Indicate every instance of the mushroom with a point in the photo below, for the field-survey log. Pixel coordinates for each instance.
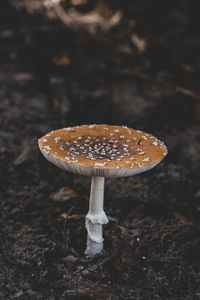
(101, 151)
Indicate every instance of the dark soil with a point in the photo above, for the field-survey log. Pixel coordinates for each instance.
(152, 245)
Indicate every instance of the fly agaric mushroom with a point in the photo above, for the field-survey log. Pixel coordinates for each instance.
(101, 151)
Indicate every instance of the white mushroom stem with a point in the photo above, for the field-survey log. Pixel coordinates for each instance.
(95, 217)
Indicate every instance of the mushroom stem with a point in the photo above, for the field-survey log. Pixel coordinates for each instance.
(95, 217)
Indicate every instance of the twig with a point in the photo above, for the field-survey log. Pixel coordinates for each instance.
(188, 92)
(91, 21)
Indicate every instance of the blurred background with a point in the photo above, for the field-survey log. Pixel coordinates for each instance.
(73, 62)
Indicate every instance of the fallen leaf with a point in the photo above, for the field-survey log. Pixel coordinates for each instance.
(188, 68)
(96, 290)
(78, 2)
(73, 216)
(66, 216)
(28, 152)
(62, 61)
(126, 49)
(139, 43)
(64, 194)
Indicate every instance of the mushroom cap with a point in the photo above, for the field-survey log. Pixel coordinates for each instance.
(102, 150)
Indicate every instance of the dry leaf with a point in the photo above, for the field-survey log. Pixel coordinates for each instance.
(188, 68)
(73, 216)
(64, 194)
(126, 49)
(62, 61)
(66, 216)
(139, 43)
(78, 2)
(96, 290)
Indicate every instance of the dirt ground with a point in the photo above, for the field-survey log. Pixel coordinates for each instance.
(52, 77)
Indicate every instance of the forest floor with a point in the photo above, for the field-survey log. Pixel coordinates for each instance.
(52, 77)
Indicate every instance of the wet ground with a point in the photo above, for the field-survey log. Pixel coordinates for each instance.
(52, 77)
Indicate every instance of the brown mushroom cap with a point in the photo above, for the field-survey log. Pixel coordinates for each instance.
(102, 150)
